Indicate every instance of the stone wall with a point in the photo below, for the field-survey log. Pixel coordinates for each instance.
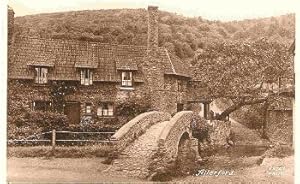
(280, 126)
(219, 132)
(137, 126)
(94, 94)
(174, 94)
(171, 134)
(149, 145)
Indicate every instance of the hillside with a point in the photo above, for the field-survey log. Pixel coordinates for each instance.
(181, 35)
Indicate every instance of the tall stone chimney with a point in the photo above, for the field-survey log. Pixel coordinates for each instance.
(152, 43)
(153, 67)
(10, 24)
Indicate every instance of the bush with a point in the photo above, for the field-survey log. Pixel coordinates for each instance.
(200, 129)
(133, 106)
(35, 122)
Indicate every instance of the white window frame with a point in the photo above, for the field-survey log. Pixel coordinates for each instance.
(46, 105)
(88, 108)
(105, 110)
(41, 74)
(86, 76)
(126, 82)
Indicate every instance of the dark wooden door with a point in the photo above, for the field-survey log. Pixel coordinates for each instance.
(179, 107)
(72, 110)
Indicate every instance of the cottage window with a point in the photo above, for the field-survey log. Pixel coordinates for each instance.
(86, 77)
(105, 109)
(41, 75)
(126, 79)
(88, 108)
(41, 105)
(180, 86)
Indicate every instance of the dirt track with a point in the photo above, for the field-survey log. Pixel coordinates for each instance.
(90, 170)
(59, 170)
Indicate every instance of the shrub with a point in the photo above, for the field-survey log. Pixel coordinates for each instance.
(133, 106)
(35, 122)
(200, 129)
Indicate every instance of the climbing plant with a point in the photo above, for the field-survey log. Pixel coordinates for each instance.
(60, 89)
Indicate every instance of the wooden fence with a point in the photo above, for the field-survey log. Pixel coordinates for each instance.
(53, 140)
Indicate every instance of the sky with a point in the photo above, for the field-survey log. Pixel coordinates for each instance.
(224, 10)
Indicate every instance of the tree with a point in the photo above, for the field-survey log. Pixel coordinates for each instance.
(239, 70)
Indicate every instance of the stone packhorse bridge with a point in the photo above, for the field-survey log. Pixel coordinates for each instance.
(154, 142)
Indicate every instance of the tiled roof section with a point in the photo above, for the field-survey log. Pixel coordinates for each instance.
(69, 55)
(66, 57)
(281, 103)
(175, 66)
(126, 64)
(87, 58)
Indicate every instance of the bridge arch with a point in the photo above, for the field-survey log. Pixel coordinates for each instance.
(157, 144)
(178, 126)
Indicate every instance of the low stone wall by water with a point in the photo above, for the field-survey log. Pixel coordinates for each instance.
(219, 132)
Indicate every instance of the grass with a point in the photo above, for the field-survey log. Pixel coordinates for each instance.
(60, 151)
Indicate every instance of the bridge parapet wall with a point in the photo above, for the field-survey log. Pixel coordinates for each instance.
(171, 134)
(137, 126)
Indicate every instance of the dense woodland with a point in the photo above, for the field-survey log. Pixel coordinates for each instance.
(181, 35)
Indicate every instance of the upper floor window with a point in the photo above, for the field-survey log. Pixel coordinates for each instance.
(105, 109)
(41, 75)
(181, 85)
(86, 77)
(127, 79)
(88, 108)
(41, 105)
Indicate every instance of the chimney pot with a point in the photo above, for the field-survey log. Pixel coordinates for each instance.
(152, 7)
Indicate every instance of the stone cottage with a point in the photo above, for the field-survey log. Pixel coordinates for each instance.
(104, 74)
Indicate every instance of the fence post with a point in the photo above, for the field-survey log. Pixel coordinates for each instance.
(53, 139)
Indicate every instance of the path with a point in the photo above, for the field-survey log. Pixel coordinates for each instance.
(243, 135)
(59, 170)
(133, 160)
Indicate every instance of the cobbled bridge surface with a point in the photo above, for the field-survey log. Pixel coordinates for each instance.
(151, 141)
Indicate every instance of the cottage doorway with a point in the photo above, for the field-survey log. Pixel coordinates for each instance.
(72, 110)
(179, 107)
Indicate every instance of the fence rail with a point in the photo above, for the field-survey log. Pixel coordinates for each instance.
(54, 140)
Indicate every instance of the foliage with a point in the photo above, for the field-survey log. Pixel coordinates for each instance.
(129, 26)
(239, 70)
(35, 122)
(234, 69)
(133, 106)
(250, 116)
(200, 129)
(59, 89)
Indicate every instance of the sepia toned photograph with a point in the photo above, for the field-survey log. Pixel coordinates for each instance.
(150, 91)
